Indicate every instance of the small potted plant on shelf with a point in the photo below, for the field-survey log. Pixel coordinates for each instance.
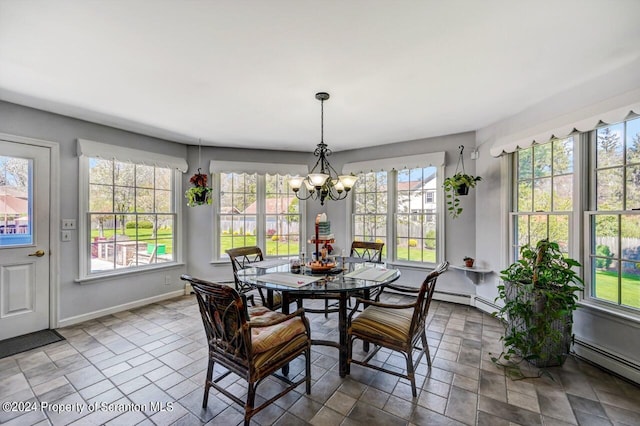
(468, 261)
(455, 186)
(199, 193)
(539, 296)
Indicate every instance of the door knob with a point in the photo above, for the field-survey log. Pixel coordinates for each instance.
(39, 253)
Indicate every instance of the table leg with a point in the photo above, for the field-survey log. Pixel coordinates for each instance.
(342, 330)
(285, 310)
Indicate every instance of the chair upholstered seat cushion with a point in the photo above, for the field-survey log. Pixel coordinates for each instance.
(264, 339)
(264, 360)
(255, 312)
(391, 325)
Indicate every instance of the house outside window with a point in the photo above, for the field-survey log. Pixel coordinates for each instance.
(256, 206)
(430, 198)
(397, 205)
(130, 206)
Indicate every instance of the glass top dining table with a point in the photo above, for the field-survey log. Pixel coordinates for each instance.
(337, 284)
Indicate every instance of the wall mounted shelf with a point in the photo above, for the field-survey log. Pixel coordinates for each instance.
(473, 273)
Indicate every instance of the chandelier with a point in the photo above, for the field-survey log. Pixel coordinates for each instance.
(323, 182)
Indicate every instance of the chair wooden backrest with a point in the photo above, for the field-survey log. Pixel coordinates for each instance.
(242, 257)
(423, 301)
(369, 251)
(224, 316)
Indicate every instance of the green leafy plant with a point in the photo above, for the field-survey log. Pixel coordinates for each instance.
(457, 185)
(539, 295)
(199, 193)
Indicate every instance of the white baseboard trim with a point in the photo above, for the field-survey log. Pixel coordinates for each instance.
(607, 359)
(119, 308)
(463, 299)
(486, 306)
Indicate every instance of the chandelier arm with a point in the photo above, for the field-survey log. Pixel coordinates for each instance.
(316, 165)
(309, 195)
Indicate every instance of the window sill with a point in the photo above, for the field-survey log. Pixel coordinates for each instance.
(119, 274)
(629, 318)
(413, 266)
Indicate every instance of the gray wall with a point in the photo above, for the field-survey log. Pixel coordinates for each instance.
(81, 299)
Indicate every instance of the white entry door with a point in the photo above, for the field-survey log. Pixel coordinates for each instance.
(24, 238)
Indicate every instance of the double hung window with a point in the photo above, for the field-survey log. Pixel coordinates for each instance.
(399, 206)
(613, 221)
(543, 194)
(130, 209)
(257, 207)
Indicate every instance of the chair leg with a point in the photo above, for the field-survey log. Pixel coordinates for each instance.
(207, 383)
(349, 353)
(326, 308)
(251, 400)
(410, 373)
(425, 345)
(308, 370)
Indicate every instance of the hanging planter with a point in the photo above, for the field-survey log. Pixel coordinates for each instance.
(458, 185)
(200, 193)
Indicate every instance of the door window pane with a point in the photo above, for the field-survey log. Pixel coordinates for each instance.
(16, 224)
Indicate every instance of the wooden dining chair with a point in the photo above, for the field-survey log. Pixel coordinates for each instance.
(243, 257)
(367, 250)
(398, 327)
(364, 251)
(252, 343)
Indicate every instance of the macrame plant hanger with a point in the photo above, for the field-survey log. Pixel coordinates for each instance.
(199, 156)
(461, 189)
(460, 160)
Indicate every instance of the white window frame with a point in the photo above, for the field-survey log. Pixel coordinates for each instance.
(392, 165)
(575, 215)
(217, 167)
(618, 310)
(87, 149)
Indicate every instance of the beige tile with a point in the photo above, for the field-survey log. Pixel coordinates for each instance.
(522, 400)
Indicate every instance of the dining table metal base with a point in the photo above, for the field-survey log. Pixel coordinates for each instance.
(341, 344)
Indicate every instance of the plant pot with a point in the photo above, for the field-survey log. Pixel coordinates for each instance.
(554, 347)
(201, 198)
(468, 263)
(463, 189)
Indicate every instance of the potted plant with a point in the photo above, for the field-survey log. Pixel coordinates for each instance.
(199, 193)
(468, 261)
(539, 295)
(457, 185)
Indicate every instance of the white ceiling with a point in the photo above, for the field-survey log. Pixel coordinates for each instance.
(243, 73)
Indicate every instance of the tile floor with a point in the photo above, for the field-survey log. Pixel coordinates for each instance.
(136, 363)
